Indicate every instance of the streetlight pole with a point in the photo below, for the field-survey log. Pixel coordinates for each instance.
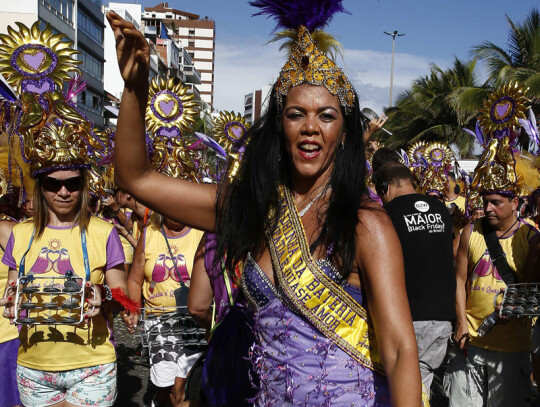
(393, 35)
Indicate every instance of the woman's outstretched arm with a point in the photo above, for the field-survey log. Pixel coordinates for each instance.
(189, 203)
(380, 259)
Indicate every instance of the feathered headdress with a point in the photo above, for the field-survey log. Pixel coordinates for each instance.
(303, 21)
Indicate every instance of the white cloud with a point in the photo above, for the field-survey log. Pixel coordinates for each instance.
(244, 65)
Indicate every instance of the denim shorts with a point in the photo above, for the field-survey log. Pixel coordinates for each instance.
(88, 386)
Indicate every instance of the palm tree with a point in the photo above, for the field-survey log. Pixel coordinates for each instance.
(521, 61)
(425, 111)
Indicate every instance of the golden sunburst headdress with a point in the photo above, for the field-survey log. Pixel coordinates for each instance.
(229, 129)
(502, 111)
(171, 110)
(45, 129)
(34, 60)
(308, 61)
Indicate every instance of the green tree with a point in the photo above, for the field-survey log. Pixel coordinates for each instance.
(520, 61)
(426, 112)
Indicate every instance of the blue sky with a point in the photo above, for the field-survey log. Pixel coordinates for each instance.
(435, 32)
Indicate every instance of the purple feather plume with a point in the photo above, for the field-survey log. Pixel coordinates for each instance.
(291, 14)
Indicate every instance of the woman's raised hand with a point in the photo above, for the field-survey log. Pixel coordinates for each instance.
(132, 50)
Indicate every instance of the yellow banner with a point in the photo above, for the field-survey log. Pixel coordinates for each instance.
(322, 301)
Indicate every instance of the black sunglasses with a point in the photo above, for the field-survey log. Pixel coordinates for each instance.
(54, 184)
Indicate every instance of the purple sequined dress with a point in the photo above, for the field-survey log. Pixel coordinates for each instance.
(296, 364)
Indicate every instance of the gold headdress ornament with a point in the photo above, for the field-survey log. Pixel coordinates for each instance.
(308, 64)
(430, 163)
(34, 60)
(169, 113)
(45, 129)
(307, 61)
(495, 172)
(229, 129)
(474, 201)
(171, 110)
(503, 109)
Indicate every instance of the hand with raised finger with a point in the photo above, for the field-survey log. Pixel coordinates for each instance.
(132, 50)
(93, 299)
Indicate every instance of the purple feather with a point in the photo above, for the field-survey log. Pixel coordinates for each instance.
(290, 14)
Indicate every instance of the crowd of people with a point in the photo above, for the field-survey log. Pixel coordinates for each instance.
(295, 262)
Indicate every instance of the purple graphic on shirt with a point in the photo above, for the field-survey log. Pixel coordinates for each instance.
(485, 268)
(164, 268)
(52, 260)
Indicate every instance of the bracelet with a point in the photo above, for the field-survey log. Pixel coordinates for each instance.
(105, 291)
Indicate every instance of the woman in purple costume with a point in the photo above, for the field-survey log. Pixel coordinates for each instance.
(319, 263)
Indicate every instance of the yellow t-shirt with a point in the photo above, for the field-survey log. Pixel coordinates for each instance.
(158, 265)
(66, 347)
(8, 332)
(484, 283)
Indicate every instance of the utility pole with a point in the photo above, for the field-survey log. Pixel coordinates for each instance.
(393, 35)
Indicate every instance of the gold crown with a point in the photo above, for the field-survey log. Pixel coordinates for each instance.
(55, 137)
(308, 64)
(474, 201)
(433, 179)
(171, 157)
(495, 172)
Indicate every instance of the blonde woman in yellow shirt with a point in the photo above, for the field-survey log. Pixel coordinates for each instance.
(154, 277)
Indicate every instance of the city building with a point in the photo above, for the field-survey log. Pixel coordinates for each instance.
(82, 22)
(193, 34)
(255, 103)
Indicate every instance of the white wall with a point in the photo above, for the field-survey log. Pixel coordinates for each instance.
(203, 65)
(206, 76)
(204, 44)
(203, 54)
(204, 32)
(24, 11)
(205, 87)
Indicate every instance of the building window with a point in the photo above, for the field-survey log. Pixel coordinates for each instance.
(62, 8)
(89, 27)
(168, 15)
(191, 31)
(191, 54)
(91, 101)
(90, 65)
(191, 43)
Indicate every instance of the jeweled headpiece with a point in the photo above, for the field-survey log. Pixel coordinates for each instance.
(308, 62)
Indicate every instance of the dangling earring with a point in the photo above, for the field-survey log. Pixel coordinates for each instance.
(342, 145)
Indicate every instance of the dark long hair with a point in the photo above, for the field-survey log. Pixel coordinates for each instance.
(244, 205)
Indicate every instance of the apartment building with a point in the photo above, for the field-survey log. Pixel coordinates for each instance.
(195, 35)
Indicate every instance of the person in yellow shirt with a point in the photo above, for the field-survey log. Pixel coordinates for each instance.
(61, 362)
(492, 364)
(154, 276)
